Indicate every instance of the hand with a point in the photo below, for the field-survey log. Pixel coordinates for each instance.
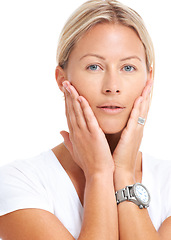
(85, 141)
(126, 152)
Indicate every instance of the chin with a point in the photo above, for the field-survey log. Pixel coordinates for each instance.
(114, 129)
(112, 125)
(112, 132)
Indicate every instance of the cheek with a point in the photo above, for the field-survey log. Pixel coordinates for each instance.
(135, 91)
(139, 83)
(85, 86)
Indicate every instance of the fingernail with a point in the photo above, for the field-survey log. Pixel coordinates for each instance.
(140, 100)
(65, 85)
(79, 99)
(150, 88)
(67, 88)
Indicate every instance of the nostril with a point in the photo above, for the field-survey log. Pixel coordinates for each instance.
(109, 91)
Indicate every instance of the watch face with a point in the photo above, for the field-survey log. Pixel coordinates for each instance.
(141, 193)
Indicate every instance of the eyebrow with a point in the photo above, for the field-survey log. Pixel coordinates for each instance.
(98, 56)
(127, 58)
(92, 55)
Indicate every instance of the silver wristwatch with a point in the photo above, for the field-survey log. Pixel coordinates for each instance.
(136, 193)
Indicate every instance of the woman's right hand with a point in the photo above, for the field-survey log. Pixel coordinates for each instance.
(85, 141)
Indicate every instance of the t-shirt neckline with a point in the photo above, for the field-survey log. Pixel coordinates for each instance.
(72, 187)
(67, 178)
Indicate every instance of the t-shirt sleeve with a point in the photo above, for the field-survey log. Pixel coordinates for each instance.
(21, 188)
(168, 196)
(165, 177)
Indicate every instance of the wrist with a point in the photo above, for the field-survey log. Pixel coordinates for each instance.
(101, 178)
(103, 173)
(122, 179)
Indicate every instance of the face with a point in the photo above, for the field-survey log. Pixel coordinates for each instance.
(108, 67)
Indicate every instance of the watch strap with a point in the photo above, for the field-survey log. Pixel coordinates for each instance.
(128, 194)
(124, 194)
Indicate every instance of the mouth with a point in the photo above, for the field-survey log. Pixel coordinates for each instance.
(111, 108)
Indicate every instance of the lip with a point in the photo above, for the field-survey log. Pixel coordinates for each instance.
(111, 108)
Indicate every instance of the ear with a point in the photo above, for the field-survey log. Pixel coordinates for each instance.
(151, 75)
(60, 76)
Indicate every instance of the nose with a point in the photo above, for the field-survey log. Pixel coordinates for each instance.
(110, 91)
(111, 83)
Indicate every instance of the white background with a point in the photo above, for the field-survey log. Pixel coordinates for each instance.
(32, 107)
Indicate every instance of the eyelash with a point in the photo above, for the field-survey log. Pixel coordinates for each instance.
(132, 67)
(88, 67)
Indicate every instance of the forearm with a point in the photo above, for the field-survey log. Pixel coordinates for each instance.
(134, 223)
(100, 210)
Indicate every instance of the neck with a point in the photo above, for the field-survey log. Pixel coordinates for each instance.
(113, 140)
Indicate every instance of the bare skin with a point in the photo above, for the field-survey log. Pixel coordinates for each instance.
(101, 152)
(76, 174)
(73, 170)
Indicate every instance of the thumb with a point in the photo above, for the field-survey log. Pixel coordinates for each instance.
(67, 141)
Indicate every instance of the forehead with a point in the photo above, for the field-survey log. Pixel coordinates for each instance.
(110, 40)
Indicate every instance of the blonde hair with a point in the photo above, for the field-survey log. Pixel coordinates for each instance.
(100, 11)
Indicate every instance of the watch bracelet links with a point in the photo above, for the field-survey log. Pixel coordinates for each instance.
(126, 194)
(122, 195)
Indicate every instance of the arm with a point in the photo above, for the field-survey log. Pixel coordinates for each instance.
(134, 223)
(37, 224)
(100, 210)
(90, 150)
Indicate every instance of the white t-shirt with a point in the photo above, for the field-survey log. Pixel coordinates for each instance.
(41, 182)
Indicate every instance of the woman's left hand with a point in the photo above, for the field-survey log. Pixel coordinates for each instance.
(126, 152)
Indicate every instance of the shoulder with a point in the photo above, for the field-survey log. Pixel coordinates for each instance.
(156, 164)
(33, 171)
(25, 183)
(157, 170)
(157, 179)
(36, 165)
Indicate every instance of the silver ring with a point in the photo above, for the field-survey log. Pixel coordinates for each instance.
(141, 121)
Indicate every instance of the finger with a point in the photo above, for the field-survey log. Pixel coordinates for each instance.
(135, 114)
(147, 89)
(72, 108)
(146, 101)
(141, 106)
(77, 117)
(78, 112)
(67, 112)
(89, 116)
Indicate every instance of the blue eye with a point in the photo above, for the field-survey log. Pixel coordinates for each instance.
(129, 68)
(93, 67)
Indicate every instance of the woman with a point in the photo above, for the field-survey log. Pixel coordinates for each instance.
(90, 187)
